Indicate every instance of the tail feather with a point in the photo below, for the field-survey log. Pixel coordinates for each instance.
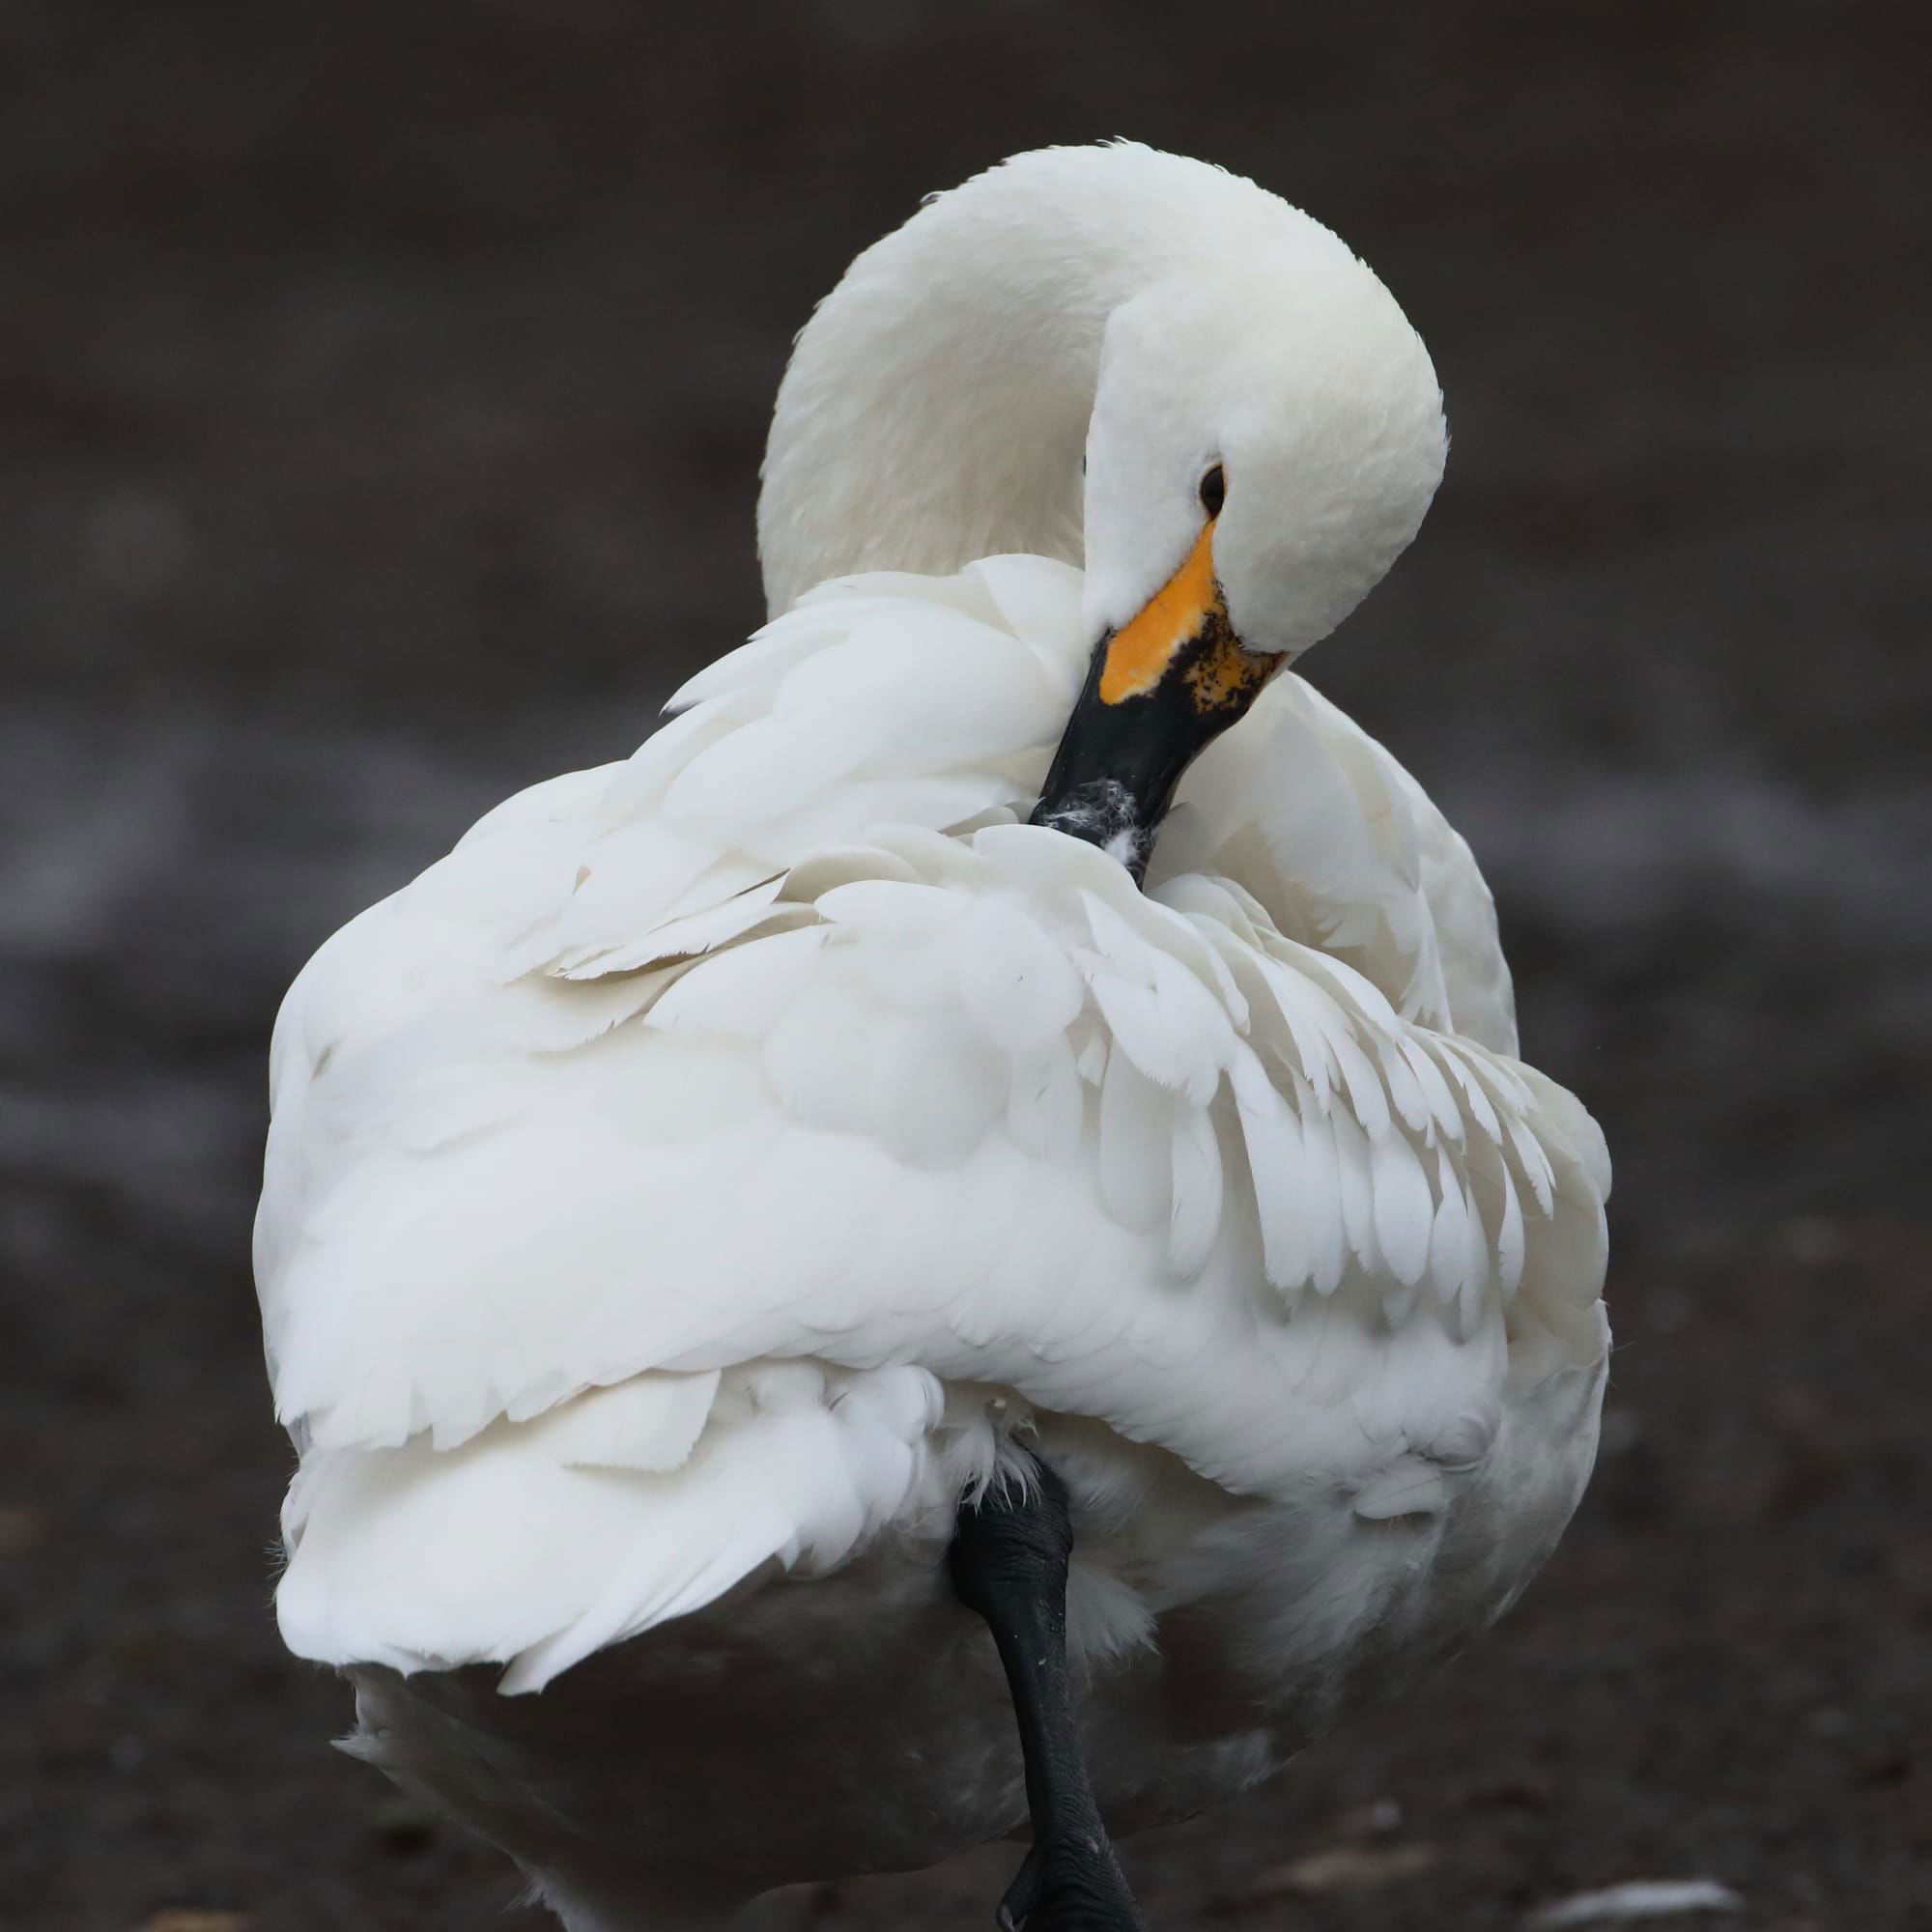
(500, 1551)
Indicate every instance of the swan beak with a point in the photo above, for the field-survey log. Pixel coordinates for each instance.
(1160, 689)
(1184, 633)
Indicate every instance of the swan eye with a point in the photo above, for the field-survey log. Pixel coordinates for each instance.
(1213, 491)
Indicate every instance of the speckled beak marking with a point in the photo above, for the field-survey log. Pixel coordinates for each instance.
(1184, 632)
(1159, 690)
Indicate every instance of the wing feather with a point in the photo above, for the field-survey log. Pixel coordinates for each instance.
(621, 1162)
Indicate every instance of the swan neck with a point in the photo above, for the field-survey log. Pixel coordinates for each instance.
(935, 409)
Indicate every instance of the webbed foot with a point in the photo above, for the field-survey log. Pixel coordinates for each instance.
(1074, 1885)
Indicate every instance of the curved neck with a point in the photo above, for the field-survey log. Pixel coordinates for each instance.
(935, 407)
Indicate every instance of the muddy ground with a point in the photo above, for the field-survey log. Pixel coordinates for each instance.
(381, 394)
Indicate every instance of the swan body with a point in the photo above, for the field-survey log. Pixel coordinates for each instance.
(684, 1192)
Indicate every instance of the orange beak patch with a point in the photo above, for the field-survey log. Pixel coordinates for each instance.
(1177, 614)
(1184, 628)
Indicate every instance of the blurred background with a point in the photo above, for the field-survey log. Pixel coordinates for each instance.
(382, 391)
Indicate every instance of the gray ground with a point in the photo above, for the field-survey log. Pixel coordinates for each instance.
(381, 392)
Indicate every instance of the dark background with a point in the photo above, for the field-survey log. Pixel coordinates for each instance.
(382, 389)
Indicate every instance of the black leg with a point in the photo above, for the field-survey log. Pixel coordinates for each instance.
(1009, 1562)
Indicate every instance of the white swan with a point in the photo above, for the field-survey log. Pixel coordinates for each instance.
(683, 1194)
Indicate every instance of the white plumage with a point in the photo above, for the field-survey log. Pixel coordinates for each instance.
(679, 1195)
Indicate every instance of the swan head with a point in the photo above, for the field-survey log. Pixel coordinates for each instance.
(1262, 432)
(1290, 420)
(1265, 438)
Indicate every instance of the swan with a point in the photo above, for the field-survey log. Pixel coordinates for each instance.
(957, 1247)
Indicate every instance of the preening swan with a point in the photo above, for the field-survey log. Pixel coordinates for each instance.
(957, 1246)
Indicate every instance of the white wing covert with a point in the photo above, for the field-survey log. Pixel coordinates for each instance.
(783, 1050)
(1349, 854)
